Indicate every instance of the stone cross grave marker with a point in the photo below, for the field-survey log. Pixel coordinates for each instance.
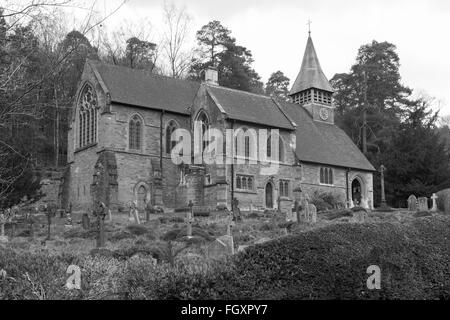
(3, 238)
(50, 211)
(412, 203)
(100, 213)
(434, 198)
(279, 204)
(190, 219)
(423, 204)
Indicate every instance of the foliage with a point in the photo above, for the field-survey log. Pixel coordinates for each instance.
(325, 200)
(331, 263)
(417, 160)
(373, 106)
(218, 49)
(278, 86)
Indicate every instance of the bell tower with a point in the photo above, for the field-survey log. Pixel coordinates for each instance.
(311, 89)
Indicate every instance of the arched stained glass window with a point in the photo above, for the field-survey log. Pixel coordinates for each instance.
(87, 119)
(135, 133)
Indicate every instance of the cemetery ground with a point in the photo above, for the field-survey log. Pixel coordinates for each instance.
(273, 258)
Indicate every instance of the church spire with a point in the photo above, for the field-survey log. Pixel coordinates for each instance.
(311, 74)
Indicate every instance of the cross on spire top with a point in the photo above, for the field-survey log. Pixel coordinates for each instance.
(309, 26)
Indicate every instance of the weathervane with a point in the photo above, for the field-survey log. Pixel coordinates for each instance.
(309, 26)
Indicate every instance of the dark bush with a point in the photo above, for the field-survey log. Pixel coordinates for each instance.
(137, 229)
(331, 263)
(325, 200)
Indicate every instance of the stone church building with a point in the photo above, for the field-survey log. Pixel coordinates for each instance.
(120, 142)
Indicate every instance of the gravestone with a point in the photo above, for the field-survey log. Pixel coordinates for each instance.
(135, 213)
(312, 213)
(236, 210)
(291, 216)
(434, 198)
(359, 216)
(85, 221)
(412, 203)
(148, 210)
(423, 204)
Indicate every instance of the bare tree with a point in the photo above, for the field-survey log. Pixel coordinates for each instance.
(119, 46)
(177, 23)
(21, 100)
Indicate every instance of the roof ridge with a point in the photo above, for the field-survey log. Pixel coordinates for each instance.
(240, 91)
(142, 71)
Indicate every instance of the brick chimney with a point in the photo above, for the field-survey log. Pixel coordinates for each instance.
(212, 76)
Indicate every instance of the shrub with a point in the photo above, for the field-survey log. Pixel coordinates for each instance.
(325, 200)
(137, 229)
(122, 234)
(331, 263)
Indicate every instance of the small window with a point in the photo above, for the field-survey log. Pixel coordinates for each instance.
(326, 176)
(284, 188)
(244, 182)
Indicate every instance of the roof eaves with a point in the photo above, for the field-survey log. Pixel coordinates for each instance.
(284, 113)
(98, 76)
(216, 101)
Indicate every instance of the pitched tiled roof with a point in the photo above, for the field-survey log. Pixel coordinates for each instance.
(311, 74)
(249, 107)
(324, 143)
(144, 89)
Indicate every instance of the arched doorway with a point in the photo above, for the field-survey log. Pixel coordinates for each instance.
(141, 197)
(356, 192)
(269, 196)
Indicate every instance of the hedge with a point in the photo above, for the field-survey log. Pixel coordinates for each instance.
(331, 263)
(326, 263)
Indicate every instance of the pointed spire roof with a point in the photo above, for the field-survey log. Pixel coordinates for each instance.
(311, 74)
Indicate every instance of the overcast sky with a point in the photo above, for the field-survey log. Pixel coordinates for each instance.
(276, 32)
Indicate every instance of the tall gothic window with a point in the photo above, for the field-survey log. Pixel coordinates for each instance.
(172, 126)
(280, 149)
(87, 119)
(203, 118)
(135, 133)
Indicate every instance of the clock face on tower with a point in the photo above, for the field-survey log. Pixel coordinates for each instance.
(323, 113)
